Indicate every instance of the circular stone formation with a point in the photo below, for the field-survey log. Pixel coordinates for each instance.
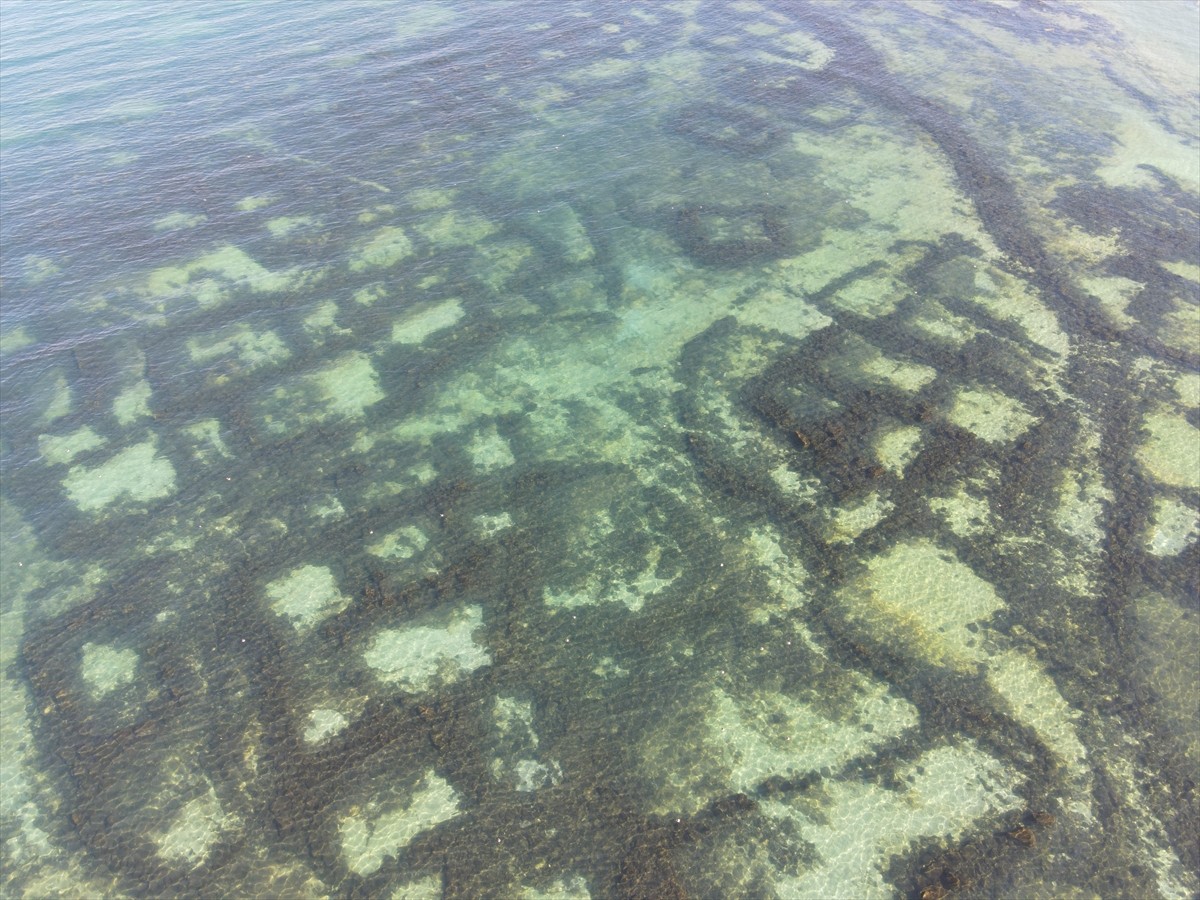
(725, 127)
(716, 235)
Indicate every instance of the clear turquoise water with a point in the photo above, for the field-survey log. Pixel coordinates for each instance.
(512, 449)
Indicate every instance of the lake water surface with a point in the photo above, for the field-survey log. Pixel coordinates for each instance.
(530, 449)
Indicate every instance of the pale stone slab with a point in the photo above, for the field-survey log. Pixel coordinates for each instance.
(106, 668)
(137, 474)
(990, 415)
(133, 403)
(385, 248)
(59, 449)
(419, 657)
(1174, 526)
(307, 596)
(922, 598)
(193, 830)
(323, 723)
(1172, 452)
(415, 327)
(366, 843)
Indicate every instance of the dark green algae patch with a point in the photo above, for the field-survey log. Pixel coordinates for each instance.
(809, 512)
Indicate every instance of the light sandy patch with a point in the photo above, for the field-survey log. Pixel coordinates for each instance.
(323, 319)
(253, 202)
(565, 887)
(1171, 453)
(382, 250)
(403, 543)
(177, 221)
(106, 668)
(597, 590)
(306, 596)
(193, 830)
(849, 522)
(368, 841)
(1114, 294)
(251, 349)
(990, 415)
(416, 326)
(1187, 389)
(870, 296)
(284, 226)
(906, 376)
(922, 598)
(492, 525)
(456, 228)
(861, 826)
(489, 450)
(207, 437)
(418, 657)
(1174, 526)
(603, 70)
(137, 474)
(777, 310)
(896, 447)
(209, 279)
(349, 386)
(1187, 270)
(322, 724)
(59, 449)
(133, 403)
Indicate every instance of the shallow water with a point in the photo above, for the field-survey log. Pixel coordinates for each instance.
(689, 449)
